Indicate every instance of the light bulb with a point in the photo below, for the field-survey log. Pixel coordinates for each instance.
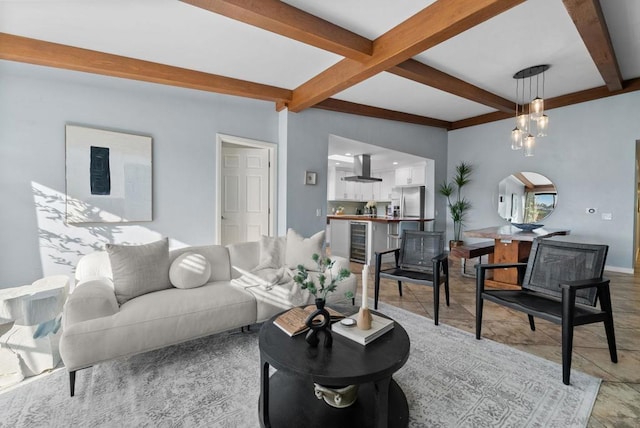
(537, 108)
(529, 145)
(516, 139)
(522, 122)
(543, 125)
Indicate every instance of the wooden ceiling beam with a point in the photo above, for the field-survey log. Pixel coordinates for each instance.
(281, 18)
(32, 51)
(589, 20)
(340, 106)
(630, 85)
(436, 23)
(422, 73)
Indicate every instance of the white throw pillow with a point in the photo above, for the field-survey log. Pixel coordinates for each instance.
(190, 270)
(139, 269)
(300, 249)
(271, 252)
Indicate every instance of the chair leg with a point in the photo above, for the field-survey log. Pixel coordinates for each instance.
(532, 323)
(436, 302)
(605, 305)
(568, 309)
(400, 288)
(72, 382)
(479, 301)
(446, 289)
(376, 288)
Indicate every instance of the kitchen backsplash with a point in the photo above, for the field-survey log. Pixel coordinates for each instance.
(353, 207)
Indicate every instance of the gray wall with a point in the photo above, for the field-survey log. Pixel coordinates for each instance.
(590, 156)
(308, 134)
(37, 102)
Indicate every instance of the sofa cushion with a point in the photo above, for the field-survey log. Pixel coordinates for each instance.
(189, 270)
(300, 250)
(272, 252)
(139, 269)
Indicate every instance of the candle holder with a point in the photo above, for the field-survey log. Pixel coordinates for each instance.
(364, 319)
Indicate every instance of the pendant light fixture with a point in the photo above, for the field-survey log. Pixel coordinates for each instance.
(531, 120)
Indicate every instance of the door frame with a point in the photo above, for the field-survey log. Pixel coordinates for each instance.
(273, 179)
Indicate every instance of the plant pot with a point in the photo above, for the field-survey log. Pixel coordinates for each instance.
(454, 243)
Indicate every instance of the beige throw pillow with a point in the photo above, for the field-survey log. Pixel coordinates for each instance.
(139, 269)
(300, 249)
(190, 270)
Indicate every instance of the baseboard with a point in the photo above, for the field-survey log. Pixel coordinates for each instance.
(619, 269)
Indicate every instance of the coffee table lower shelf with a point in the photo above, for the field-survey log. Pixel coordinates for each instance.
(293, 404)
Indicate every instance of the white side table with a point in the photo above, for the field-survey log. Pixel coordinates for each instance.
(34, 310)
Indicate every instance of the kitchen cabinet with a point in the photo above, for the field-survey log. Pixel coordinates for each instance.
(387, 184)
(336, 188)
(411, 175)
(340, 238)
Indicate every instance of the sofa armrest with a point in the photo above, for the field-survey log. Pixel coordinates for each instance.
(91, 299)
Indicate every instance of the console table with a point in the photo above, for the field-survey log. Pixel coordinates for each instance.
(512, 245)
(287, 397)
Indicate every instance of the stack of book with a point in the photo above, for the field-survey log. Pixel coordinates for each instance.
(379, 326)
(293, 322)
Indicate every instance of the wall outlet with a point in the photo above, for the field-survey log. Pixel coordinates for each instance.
(591, 210)
(607, 216)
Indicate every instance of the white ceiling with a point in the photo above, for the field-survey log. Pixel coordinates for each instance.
(174, 33)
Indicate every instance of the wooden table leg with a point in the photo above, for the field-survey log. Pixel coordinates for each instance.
(263, 405)
(381, 412)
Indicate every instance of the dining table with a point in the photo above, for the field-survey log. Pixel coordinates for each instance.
(512, 245)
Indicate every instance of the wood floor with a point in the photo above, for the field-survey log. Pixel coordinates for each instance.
(618, 401)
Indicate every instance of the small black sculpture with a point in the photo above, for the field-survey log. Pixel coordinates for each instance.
(319, 325)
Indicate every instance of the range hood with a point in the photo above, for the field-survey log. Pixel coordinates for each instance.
(362, 170)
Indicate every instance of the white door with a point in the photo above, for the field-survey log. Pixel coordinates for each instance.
(245, 194)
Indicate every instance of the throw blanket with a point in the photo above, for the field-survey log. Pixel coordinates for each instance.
(275, 285)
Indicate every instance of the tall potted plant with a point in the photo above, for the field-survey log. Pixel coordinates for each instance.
(458, 205)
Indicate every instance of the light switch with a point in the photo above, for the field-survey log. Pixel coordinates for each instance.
(607, 216)
(318, 212)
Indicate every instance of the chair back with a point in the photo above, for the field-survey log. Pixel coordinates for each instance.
(552, 262)
(418, 248)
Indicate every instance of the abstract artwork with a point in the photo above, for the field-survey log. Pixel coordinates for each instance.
(108, 176)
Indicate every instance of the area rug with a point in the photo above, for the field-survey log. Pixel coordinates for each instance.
(450, 380)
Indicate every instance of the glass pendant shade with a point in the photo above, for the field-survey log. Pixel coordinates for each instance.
(529, 145)
(516, 139)
(522, 122)
(537, 108)
(543, 125)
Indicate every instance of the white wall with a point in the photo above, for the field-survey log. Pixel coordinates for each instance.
(37, 102)
(589, 155)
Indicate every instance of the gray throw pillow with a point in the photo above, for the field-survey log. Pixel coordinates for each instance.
(139, 269)
(271, 252)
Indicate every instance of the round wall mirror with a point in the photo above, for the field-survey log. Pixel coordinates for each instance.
(526, 197)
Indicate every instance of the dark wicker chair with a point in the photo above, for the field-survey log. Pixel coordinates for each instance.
(421, 259)
(562, 284)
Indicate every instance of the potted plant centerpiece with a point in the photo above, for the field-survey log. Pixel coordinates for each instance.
(319, 320)
(458, 205)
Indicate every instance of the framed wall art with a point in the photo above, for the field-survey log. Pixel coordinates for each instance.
(108, 176)
(310, 177)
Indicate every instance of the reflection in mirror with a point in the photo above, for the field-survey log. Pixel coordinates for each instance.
(526, 197)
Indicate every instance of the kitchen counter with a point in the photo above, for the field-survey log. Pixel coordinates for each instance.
(378, 219)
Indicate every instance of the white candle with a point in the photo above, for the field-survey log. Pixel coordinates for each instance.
(365, 274)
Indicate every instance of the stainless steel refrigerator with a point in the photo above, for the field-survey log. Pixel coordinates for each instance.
(411, 202)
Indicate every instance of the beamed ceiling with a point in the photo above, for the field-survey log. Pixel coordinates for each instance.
(444, 63)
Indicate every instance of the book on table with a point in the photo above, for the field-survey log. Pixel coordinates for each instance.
(379, 326)
(293, 322)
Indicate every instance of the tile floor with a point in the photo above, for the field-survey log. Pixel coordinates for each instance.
(618, 401)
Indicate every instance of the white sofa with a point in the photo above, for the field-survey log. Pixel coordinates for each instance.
(99, 324)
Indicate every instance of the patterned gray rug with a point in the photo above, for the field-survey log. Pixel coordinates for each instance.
(450, 380)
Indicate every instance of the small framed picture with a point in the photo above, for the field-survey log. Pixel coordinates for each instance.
(310, 177)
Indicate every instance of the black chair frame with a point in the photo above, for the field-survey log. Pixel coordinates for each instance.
(438, 274)
(564, 311)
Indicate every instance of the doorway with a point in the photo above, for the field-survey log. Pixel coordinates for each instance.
(246, 174)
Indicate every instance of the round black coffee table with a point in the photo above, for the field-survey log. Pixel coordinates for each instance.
(287, 397)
